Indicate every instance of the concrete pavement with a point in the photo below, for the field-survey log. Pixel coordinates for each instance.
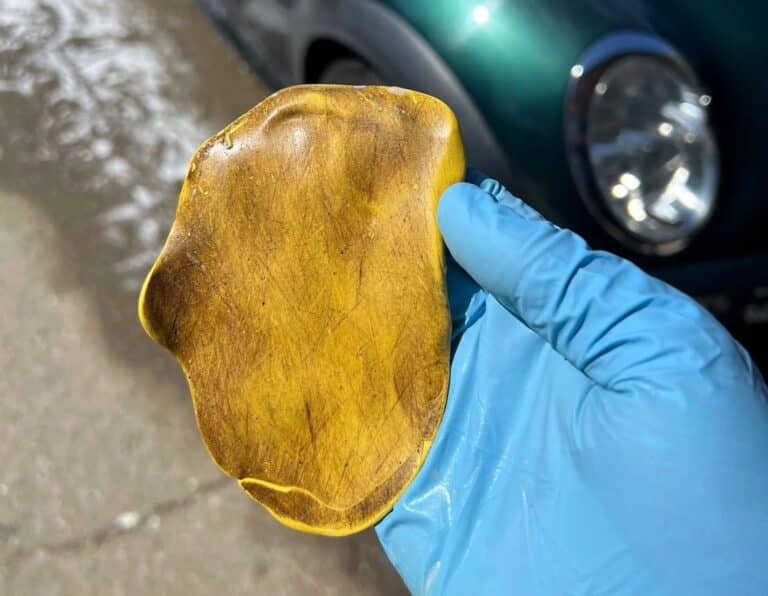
(105, 486)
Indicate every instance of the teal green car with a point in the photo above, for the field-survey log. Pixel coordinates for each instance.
(640, 124)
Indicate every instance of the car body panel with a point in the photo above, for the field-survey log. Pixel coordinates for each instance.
(516, 68)
(371, 30)
(507, 78)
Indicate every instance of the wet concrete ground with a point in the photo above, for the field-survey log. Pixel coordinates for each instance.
(105, 486)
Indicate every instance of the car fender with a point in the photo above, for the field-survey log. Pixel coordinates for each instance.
(395, 50)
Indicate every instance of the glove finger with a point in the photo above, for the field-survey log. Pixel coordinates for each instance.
(602, 313)
(501, 194)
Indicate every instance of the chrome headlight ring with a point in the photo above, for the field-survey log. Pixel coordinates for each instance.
(640, 149)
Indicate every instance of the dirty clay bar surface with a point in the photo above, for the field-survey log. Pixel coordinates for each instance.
(105, 487)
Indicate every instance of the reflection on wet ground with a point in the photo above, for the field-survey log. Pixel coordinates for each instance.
(100, 109)
(105, 486)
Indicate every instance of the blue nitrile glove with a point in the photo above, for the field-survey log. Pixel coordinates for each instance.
(603, 433)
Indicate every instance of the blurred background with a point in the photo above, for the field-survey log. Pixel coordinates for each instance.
(105, 486)
(638, 123)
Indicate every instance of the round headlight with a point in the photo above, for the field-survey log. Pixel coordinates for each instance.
(641, 149)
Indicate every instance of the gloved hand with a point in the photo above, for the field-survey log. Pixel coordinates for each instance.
(603, 433)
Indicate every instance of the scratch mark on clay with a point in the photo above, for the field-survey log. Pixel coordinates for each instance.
(308, 415)
(321, 426)
(173, 335)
